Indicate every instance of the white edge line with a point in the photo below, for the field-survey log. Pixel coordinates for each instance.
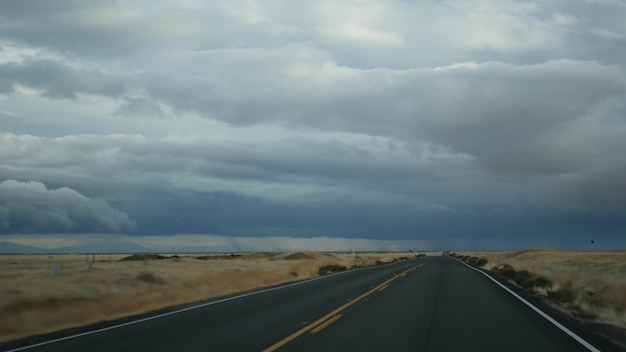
(188, 309)
(569, 332)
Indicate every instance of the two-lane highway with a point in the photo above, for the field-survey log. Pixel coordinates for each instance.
(429, 304)
(443, 306)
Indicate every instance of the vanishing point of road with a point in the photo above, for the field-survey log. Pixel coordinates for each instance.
(430, 304)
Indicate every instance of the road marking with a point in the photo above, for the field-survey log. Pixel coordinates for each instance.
(187, 309)
(382, 288)
(569, 332)
(325, 324)
(321, 320)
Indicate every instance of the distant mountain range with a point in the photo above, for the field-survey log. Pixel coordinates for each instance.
(7, 247)
(10, 247)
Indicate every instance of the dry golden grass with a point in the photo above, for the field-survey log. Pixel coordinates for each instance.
(598, 279)
(84, 292)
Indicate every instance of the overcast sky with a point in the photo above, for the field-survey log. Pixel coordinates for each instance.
(480, 124)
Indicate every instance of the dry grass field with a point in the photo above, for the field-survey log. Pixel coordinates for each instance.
(597, 279)
(90, 289)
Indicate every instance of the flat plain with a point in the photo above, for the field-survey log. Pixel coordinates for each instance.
(92, 288)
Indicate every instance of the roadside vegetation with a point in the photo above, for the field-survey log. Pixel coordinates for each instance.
(524, 279)
(475, 261)
(587, 285)
(331, 268)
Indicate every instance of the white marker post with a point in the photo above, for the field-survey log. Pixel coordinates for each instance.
(54, 270)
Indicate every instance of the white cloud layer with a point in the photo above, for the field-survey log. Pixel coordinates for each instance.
(31, 206)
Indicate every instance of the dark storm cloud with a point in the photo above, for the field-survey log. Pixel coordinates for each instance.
(449, 121)
(536, 114)
(519, 121)
(288, 166)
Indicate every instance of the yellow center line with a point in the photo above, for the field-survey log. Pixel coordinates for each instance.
(321, 320)
(382, 288)
(325, 324)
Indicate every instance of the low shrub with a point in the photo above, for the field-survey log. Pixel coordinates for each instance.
(524, 279)
(543, 282)
(331, 268)
(149, 278)
(143, 257)
(478, 261)
(562, 295)
(506, 271)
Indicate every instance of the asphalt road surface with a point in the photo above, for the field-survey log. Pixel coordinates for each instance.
(428, 304)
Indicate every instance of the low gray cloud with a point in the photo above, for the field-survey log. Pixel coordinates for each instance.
(32, 208)
(57, 80)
